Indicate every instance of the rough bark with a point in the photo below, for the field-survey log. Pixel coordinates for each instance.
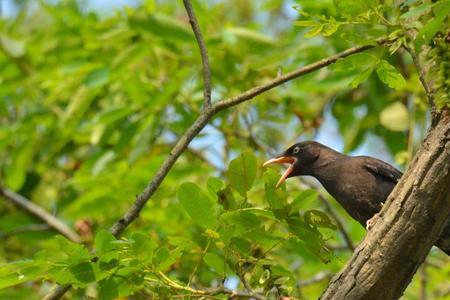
(408, 225)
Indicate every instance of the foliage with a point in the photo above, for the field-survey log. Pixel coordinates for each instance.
(91, 104)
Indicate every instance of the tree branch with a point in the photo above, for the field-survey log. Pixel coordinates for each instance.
(251, 93)
(203, 119)
(40, 213)
(205, 116)
(410, 222)
(203, 53)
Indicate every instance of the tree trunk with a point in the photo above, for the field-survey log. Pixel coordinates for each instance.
(409, 224)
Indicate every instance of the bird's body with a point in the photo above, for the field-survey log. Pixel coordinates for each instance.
(361, 184)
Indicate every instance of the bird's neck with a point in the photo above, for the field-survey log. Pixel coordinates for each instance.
(326, 168)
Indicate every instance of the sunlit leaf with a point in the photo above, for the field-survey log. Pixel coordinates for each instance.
(242, 172)
(395, 117)
(318, 218)
(389, 75)
(199, 207)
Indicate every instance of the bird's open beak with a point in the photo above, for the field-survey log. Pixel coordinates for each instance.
(282, 160)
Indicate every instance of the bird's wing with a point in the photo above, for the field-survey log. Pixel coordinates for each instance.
(380, 168)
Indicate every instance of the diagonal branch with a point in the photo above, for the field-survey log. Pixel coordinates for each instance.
(410, 222)
(203, 53)
(40, 213)
(205, 116)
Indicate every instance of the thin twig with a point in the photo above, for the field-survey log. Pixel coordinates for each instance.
(421, 72)
(203, 53)
(40, 213)
(205, 116)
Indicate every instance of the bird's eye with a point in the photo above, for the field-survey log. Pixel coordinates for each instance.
(296, 150)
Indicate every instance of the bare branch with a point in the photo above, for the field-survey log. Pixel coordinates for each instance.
(205, 116)
(40, 213)
(203, 53)
(410, 222)
(251, 93)
(57, 292)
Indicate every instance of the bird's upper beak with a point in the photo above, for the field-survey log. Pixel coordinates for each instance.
(282, 159)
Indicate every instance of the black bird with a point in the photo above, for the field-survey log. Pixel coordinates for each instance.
(361, 184)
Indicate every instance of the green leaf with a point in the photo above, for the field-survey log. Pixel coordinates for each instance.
(83, 272)
(105, 247)
(314, 31)
(427, 32)
(13, 47)
(108, 289)
(74, 251)
(264, 276)
(19, 272)
(417, 11)
(97, 78)
(198, 206)
(361, 77)
(275, 197)
(143, 246)
(330, 28)
(114, 114)
(311, 237)
(395, 117)
(214, 184)
(243, 220)
(163, 26)
(306, 23)
(183, 243)
(251, 36)
(359, 61)
(389, 75)
(165, 258)
(242, 172)
(217, 264)
(319, 219)
(21, 162)
(304, 199)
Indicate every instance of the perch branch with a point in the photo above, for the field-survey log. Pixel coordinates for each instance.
(40, 213)
(205, 116)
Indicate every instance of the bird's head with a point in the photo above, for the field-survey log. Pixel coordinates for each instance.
(300, 157)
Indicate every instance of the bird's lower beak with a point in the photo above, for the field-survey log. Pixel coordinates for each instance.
(282, 160)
